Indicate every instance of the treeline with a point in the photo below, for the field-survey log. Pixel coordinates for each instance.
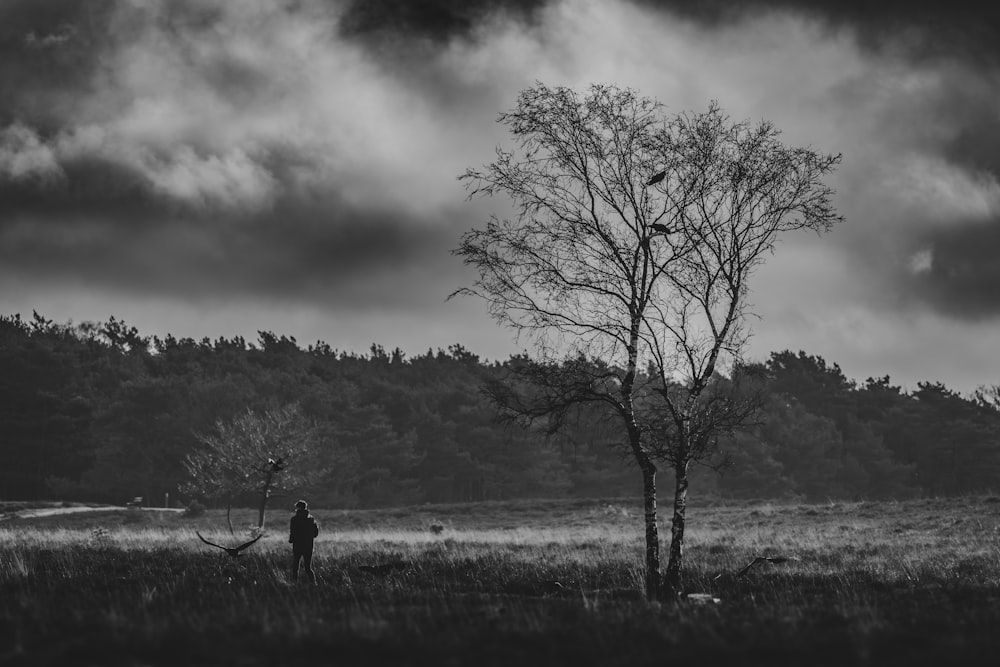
(100, 412)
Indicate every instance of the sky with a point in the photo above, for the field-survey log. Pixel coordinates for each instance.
(210, 168)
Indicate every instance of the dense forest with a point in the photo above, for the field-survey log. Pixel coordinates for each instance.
(100, 412)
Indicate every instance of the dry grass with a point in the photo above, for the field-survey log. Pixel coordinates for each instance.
(548, 583)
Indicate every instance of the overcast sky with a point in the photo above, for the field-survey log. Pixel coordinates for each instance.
(218, 167)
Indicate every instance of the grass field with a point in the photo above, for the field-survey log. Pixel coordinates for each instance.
(526, 583)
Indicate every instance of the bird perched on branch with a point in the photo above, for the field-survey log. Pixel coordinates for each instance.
(232, 551)
(658, 229)
(656, 178)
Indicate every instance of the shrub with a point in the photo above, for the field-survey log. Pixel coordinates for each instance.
(101, 538)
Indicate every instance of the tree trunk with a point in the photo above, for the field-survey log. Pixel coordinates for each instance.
(672, 577)
(265, 493)
(652, 534)
(229, 514)
(260, 510)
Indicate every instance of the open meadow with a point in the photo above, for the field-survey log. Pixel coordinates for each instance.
(541, 582)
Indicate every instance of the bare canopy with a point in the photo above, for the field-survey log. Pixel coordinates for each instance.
(634, 237)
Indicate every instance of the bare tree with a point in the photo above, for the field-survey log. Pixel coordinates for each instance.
(255, 453)
(627, 259)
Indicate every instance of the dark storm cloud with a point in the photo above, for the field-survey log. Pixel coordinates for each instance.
(305, 152)
(441, 20)
(917, 31)
(975, 137)
(950, 125)
(435, 20)
(48, 50)
(960, 272)
(108, 222)
(92, 184)
(944, 111)
(206, 149)
(330, 253)
(920, 29)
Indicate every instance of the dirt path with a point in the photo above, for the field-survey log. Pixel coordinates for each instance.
(55, 511)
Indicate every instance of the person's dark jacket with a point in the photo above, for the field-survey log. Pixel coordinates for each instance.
(303, 529)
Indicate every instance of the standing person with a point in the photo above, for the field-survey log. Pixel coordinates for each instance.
(301, 533)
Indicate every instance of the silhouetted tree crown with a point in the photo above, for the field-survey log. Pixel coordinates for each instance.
(81, 419)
